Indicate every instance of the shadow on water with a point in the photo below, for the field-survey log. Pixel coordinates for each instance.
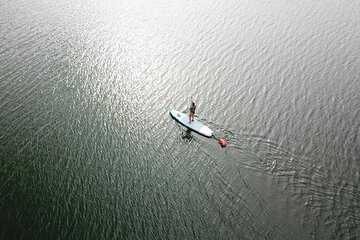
(186, 135)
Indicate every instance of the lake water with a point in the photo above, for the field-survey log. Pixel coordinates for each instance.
(88, 149)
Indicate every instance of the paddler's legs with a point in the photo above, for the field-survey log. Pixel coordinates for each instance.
(191, 117)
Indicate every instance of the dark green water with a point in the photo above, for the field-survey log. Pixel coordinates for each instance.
(88, 149)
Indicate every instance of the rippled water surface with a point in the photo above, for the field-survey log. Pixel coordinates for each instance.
(88, 149)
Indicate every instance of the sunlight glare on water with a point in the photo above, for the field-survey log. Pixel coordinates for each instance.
(88, 149)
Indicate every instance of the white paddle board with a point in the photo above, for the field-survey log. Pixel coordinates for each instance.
(195, 125)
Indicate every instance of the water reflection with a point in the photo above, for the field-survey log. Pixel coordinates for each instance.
(186, 135)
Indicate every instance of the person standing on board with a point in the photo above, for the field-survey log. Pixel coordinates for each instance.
(192, 111)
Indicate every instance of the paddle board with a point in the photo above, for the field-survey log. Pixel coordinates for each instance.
(195, 125)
